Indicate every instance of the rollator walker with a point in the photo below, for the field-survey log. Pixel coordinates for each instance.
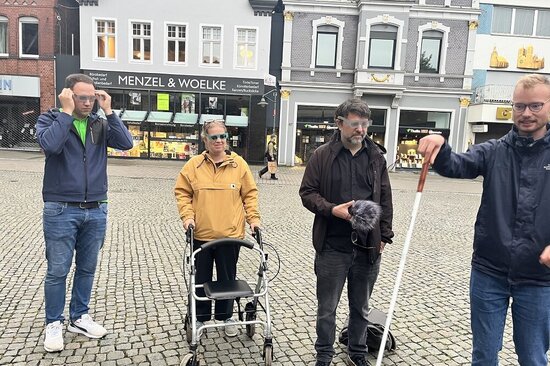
(229, 290)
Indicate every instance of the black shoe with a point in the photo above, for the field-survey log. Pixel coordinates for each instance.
(357, 360)
(274, 177)
(260, 174)
(322, 363)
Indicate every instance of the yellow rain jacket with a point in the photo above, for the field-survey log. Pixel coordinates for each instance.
(217, 198)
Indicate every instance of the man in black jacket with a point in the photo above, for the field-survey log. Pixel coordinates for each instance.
(349, 167)
(511, 258)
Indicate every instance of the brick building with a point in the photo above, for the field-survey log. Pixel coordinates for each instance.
(27, 64)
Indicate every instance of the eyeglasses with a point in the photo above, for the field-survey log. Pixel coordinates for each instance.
(221, 136)
(85, 98)
(534, 107)
(355, 123)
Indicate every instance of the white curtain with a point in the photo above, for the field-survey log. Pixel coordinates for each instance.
(502, 20)
(543, 23)
(3, 37)
(524, 22)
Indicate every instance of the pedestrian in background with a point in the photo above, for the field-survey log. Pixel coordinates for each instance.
(216, 193)
(347, 168)
(271, 158)
(511, 259)
(75, 142)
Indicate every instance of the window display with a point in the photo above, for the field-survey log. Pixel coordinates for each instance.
(169, 140)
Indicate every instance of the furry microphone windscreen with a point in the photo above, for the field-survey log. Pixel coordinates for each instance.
(364, 215)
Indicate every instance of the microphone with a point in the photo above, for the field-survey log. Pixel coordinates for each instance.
(364, 215)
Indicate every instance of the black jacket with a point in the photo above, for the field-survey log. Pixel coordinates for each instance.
(316, 185)
(512, 226)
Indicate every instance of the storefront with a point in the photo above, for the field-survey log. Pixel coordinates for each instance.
(19, 110)
(164, 113)
(413, 125)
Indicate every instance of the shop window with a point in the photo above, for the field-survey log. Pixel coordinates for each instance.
(106, 39)
(382, 46)
(236, 121)
(141, 41)
(28, 37)
(212, 104)
(433, 40)
(327, 38)
(3, 36)
(211, 40)
(327, 48)
(176, 38)
(315, 125)
(245, 48)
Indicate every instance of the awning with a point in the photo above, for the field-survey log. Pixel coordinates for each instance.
(133, 116)
(160, 117)
(236, 121)
(186, 118)
(210, 117)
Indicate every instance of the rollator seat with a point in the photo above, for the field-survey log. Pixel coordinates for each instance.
(226, 290)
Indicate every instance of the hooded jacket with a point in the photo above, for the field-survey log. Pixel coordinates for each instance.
(75, 172)
(218, 198)
(512, 227)
(317, 182)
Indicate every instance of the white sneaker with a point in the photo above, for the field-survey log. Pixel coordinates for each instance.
(53, 340)
(231, 329)
(85, 325)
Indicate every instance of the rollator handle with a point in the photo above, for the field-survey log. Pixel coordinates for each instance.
(257, 234)
(190, 233)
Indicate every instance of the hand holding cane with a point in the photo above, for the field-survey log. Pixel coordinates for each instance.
(420, 187)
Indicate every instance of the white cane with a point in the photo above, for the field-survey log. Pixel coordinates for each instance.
(419, 189)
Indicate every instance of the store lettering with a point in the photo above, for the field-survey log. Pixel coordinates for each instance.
(202, 84)
(6, 84)
(140, 81)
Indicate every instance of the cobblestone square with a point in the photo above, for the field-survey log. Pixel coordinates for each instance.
(140, 295)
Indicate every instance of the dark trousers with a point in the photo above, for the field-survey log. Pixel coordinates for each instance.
(225, 257)
(332, 268)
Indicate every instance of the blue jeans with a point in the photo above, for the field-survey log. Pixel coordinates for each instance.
(332, 269)
(69, 230)
(489, 300)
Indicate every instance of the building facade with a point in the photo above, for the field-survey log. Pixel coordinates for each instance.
(513, 40)
(170, 71)
(27, 69)
(411, 61)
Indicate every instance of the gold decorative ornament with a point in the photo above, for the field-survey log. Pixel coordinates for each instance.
(497, 62)
(285, 93)
(464, 102)
(289, 16)
(528, 60)
(380, 79)
(473, 24)
(504, 113)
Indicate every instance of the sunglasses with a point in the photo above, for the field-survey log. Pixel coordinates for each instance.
(221, 136)
(85, 98)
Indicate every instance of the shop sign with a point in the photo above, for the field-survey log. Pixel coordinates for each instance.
(172, 82)
(424, 131)
(21, 86)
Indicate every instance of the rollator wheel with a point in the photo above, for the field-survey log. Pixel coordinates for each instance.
(190, 360)
(268, 355)
(188, 330)
(250, 315)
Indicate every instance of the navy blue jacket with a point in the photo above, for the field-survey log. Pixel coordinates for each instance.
(513, 222)
(74, 172)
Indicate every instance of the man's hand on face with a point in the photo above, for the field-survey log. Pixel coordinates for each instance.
(66, 99)
(104, 101)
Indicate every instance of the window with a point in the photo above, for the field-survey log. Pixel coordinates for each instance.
(430, 51)
(211, 45)
(106, 39)
(28, 37)
(246, 48)
(382, 46)
(502, 20)
(176, 38)
(3, 36)
(327, 37)
(521, 21)
(543, 23)
(141, 41)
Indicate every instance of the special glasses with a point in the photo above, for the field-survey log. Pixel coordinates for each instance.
(534, 107)
(85, 98)
(221, 136)
(355, 123)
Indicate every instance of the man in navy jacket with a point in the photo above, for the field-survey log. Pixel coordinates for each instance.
(511, 258)
(75, 142)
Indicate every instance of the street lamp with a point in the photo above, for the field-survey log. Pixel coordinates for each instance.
(263, 103)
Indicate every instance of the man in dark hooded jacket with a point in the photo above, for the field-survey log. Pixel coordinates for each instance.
(349, 167)
(511, 259)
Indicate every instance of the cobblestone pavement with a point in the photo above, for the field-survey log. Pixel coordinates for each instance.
(140, 294)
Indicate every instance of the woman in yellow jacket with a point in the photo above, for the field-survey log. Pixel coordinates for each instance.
(216, 193)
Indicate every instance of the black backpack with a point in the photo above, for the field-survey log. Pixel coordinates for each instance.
(375, 330)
